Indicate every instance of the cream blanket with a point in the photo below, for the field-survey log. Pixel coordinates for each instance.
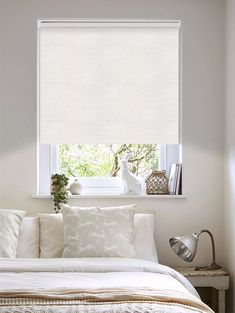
(94, 285)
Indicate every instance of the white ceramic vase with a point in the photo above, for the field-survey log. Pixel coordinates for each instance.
(75, 188)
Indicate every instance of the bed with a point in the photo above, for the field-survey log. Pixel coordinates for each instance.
(94, 285)
(41, 278)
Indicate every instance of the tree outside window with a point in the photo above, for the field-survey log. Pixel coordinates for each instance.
(100, 160)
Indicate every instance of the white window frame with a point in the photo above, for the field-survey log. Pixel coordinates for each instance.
(47, 165)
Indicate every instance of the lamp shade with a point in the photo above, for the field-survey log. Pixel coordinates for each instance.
(185, 246)
(103, 82)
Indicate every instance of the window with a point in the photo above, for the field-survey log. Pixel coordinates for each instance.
(104, 160)
(107, 81)
(97, 166)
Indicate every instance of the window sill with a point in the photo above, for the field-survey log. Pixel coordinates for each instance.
(114, 196)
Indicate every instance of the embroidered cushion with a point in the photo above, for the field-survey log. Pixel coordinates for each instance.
(98, 232)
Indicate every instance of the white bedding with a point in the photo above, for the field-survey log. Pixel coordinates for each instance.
(78, 279)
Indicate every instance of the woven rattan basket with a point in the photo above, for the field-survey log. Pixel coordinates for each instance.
(157, 183)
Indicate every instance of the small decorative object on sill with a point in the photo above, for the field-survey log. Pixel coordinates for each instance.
(75, 188)
(130, 182)
(59, 190)
(157, 183)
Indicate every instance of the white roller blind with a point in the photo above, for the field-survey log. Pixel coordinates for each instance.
(109, 82)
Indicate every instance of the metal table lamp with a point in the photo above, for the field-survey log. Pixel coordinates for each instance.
(186, 246)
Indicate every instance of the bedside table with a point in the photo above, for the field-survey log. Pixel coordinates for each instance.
(218, 279)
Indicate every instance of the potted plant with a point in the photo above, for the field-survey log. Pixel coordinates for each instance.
(59, 190)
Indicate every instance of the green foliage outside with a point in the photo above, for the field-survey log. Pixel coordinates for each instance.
(103, 160)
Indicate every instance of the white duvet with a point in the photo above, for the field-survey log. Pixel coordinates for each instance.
(100, 279)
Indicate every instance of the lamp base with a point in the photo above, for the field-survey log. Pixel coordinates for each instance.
(211, 267)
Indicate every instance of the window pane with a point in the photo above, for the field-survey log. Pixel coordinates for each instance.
(103, 160)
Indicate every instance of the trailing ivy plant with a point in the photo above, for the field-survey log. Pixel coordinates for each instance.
(59, 190)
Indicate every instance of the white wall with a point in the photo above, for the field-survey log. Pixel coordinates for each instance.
(203, 55)
(230, 149)
(1, 95)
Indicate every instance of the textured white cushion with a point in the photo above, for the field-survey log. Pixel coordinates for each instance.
(28, 241)
(52, 243)
(98, 232)
(10, 221)
(144, 237)
(51, 235)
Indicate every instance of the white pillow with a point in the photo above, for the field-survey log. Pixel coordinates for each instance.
(28, 241)
(52, 243)
(10, 221)
(98, 232)
(51, 235)
(144, 237)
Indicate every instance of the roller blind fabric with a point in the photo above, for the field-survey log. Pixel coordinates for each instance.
(108, 82)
